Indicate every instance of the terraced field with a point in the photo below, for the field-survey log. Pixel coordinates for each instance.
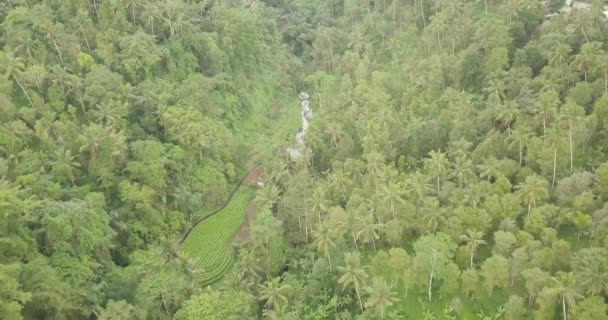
(209, 243)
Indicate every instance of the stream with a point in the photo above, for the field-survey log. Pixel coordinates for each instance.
(295, 152)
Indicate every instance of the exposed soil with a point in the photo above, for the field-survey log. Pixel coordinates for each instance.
(243, 234)
(255, 176)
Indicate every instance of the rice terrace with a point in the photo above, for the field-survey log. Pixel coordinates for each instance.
(209, 241)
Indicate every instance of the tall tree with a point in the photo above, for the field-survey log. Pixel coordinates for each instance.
(473, 240)
(565, 288)
(380, 296)
(437, 165)
(534, 189)
(353, 274)
(324, 242)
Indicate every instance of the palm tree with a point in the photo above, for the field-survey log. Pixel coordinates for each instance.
(273, 292)
(323, 241)
(559, 54)
(13, 67)
(520, 137)
(391, 194)
(601, 67)
(473, 240)
(546, 107)
(133, 4)
(432, 219)
(249, 264)
(64, 164)
(109, 113)
(565, 287)
(569, 115)
(380, 296)
(25, 44)
(367, 229)
(319, 203)
(462, 170)
(438, 165)
(339, 182)
(267, 196)
(92, 139)
(490, 168)
(353, 274)
(417, 187)
(555, 140)
(533, 190)
(584, 60)
(507, 114)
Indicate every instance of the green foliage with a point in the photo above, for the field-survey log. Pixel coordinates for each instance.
(209, 243)
(212, 305)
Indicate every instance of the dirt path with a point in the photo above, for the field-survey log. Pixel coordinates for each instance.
(245, 231)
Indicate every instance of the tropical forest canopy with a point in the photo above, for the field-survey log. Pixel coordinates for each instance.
(456, 166)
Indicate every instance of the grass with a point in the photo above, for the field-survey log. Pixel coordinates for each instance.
(209, 244)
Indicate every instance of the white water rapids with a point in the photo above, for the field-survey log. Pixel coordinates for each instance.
(295, 152)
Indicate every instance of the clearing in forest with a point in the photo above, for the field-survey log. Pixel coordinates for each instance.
(210, 242)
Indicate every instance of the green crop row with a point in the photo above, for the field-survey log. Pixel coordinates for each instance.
(209, 243)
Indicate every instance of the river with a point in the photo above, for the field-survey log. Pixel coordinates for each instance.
(295, 152)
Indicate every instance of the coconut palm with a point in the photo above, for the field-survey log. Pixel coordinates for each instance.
(533, 190)
(379, 296)
(489, 168)
(13, 67)
(565, 287)
(392, 194)
(519, 138)
(555, 141)
(353, 274)
(473, 240)
(267, 196)
(273, 292)
(64, 164)
(417, 187)
(462, 171)
(584, 61)
(601, 67)
(318, 202)
(324, 242)
(559, 54)
(437, 165)
(366, 229)
(339, 182)
(92, 138)
(570, 114)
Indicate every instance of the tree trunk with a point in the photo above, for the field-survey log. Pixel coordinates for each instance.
(429, 292)
(359, 298)
(438, 185)
(472, 255)
(564, 308)
(554, 166)
(422, 10)
(529, 208)
(329, 260)
(431, 275)
(520, 152)
(374, 243)
(306, 225)
(96, 10)
(571, 150)
(23, 89)
(355, 241)
(58, 52)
